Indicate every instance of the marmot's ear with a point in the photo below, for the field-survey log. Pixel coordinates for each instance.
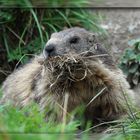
(92, 38)
(93, 42)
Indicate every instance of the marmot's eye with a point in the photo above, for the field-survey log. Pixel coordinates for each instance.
(74, 40)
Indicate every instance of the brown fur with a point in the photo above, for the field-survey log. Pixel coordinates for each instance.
(41, 82)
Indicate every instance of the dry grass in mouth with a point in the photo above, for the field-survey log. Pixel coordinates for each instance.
(67, 67)
(73, 67)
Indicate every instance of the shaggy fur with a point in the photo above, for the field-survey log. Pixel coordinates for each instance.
(86, 77)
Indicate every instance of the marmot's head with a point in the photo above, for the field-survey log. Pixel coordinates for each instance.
(73, 41)
(71, 53)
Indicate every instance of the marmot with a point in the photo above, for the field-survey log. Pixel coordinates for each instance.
(73, 69)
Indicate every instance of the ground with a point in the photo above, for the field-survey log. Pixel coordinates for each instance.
(122, 26)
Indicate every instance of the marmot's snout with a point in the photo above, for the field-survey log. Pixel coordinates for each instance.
(50, 50)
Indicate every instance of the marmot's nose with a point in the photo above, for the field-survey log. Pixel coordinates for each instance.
(50, 50)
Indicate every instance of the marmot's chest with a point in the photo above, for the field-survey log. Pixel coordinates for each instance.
(85, 93)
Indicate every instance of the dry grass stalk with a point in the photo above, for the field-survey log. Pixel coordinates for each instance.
(64, 119)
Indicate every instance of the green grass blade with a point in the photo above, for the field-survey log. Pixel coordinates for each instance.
(6, 42)
(37, 22)
(65, 18)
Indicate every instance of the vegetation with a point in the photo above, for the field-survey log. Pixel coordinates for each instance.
(29, 123)
(130, 63)
(31, 120)
(43, 3)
